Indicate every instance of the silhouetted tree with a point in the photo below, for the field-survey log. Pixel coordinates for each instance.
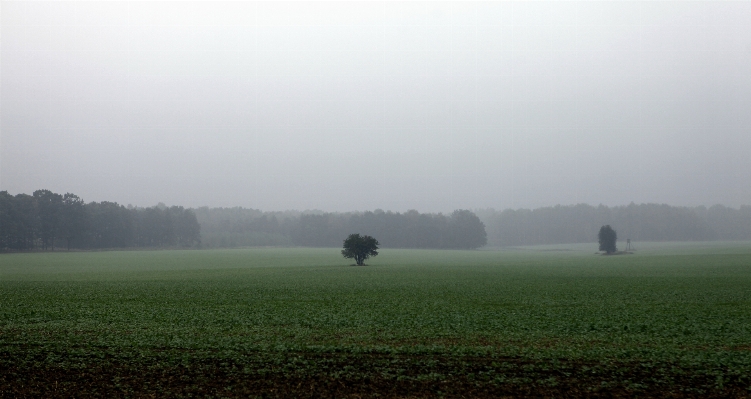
(359, 248)
(607, 237)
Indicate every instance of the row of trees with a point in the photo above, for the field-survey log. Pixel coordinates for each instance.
(226, 227)
(643, 222)
(44, 219)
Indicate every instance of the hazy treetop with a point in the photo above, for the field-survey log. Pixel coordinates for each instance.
(353, 106)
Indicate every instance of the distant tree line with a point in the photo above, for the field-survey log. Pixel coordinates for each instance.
(46, 219)
(244, 227)
(228, 227)
(643, 222)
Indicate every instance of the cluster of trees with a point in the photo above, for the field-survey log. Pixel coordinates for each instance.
(44, 219)
(244, 227)
(643, 222)
(227, 227)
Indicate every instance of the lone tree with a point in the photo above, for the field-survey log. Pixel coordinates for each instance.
(359, 248)
(607, 239)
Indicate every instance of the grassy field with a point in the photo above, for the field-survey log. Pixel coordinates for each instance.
(674, 319)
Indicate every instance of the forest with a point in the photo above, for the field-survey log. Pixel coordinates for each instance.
(643, 222)
(46, 219)
(234, 227)
(231, 227)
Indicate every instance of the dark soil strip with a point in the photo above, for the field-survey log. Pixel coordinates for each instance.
(322, 375)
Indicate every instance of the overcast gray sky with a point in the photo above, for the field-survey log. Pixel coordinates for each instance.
(356, 106)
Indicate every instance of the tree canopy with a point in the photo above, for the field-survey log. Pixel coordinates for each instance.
(607, 237)
(39, 220)
(227, 227)
(359, 248)
(564, 224)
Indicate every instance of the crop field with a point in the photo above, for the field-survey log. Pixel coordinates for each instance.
(671, 320)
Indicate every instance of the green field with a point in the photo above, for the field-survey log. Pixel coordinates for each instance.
(671, 319)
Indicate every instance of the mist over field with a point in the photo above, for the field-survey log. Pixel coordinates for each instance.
(361, 106)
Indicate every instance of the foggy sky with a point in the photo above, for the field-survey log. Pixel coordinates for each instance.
(357, 106)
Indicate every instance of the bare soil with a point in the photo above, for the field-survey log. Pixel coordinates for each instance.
(331, 375)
